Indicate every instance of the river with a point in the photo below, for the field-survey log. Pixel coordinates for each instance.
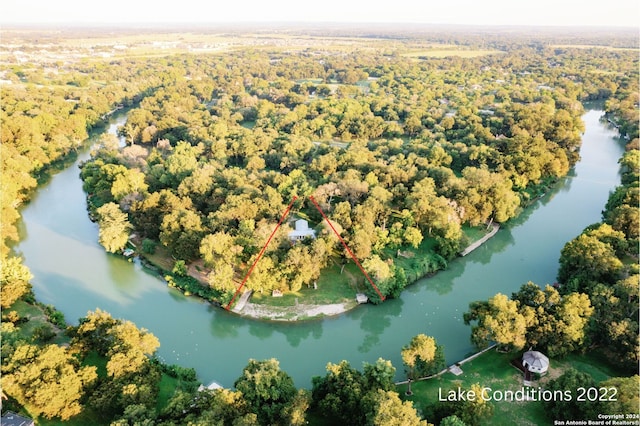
(73, 272)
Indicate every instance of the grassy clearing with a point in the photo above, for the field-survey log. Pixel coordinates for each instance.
(168, 386)
(86, 417)
(333, 287)
(413, 260)
(474, 233)
(160, 258)
(36, 317)
(493, 370)
(97, 361)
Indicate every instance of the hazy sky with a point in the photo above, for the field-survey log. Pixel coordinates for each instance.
(479, 12)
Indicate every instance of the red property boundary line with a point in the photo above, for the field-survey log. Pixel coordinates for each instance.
(246, 277)
(346, 247)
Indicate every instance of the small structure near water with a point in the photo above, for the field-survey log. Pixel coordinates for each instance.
(361, 298)
(212, 386)
(535, 362)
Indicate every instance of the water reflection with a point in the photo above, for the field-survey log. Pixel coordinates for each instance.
(497, 244)
(374, 320)
(223, 327)
(442, 282)
(260, 329)
(297, 333)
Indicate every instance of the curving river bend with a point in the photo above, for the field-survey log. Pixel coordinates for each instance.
(73, 272)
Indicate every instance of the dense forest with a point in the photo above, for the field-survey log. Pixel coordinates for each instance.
(403, 153)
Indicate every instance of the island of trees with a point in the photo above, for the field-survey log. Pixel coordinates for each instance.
(404, 151)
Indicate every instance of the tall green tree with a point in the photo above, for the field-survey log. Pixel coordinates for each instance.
(347, 396)
(627, 399)
(587, 260)
(498, 320)
(268, 391)
(474, 411)
(571, 408)
(114, 227)
(181, 232)
(387, 409)
(14, 280)
(422, 356)
(48, 380)
(558, 324)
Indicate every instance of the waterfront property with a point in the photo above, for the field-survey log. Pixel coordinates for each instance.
(56, 224)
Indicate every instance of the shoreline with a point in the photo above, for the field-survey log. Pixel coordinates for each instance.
(303, 312)
(471, 247)
(298, 312)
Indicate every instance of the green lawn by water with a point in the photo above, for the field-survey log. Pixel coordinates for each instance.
(333, 287)
(493, 370)
(337, 287)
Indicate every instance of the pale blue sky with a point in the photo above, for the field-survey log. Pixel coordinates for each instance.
(479, 12)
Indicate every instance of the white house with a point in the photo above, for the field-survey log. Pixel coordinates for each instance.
(302, 231)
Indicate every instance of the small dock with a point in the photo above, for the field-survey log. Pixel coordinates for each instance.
(455, 369)
(481, 241)
(242, 301)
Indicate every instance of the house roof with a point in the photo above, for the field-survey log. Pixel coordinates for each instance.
(12, 419)
(302, 230)
(212, 386)
(535, 361)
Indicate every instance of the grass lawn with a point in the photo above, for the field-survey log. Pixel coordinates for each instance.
(160, 258)
(474, 233)
(86, 417)
(98, 361)
(493, 370)
(426, 247)
(333, 287)
(168, 386)
(37, 318)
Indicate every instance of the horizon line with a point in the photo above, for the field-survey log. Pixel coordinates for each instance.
(146, 24)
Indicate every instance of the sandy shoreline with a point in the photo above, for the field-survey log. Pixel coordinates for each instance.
(293, 313)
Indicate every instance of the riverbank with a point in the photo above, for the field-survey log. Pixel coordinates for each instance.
(471, 247)
(298, 312)
(161, 263)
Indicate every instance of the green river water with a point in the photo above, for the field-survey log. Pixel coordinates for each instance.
(73, 272)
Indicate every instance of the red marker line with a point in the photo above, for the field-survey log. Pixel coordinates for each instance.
(348, 250)
(246, 277)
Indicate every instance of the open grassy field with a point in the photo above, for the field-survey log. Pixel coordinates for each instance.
(333, 287)
(36, 318)
(492, 369)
